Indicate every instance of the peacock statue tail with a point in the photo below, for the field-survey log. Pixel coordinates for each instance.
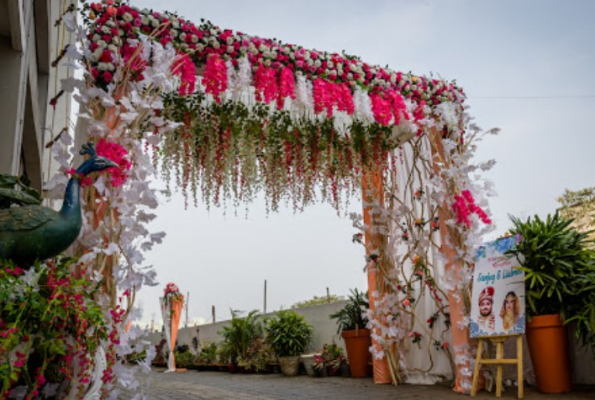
(35, 232)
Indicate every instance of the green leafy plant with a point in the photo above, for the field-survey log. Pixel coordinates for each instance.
(331, 357)
(49, 322)
(240, 333)
(207, 354)
(559, 265)
(184, 359)
(289, 333)
(259, 355)
(351, 316)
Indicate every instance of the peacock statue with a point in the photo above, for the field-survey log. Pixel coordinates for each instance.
(35, 232)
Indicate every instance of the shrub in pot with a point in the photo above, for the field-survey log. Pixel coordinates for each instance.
(289, 334)
(351, 324)
(559, 275)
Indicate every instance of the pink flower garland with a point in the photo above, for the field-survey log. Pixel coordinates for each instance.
(117, 154)
(215, 76)
(328, 95)
(286, 86)
(464, 206)
(265, 83)
(185, 69)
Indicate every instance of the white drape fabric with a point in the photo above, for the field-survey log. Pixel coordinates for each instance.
(166, 315)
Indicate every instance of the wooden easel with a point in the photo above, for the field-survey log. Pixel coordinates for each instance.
(499, 361)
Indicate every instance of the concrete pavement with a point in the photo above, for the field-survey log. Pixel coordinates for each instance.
(223, 386)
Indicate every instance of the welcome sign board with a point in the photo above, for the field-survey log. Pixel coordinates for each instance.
(498, 296)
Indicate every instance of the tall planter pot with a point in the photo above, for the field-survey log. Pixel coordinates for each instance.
(289, 365)
(548, 345)
(357, 343)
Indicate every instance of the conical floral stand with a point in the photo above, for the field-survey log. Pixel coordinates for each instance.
(171, 310)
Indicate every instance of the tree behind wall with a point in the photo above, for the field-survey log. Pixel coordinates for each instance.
(580, 206)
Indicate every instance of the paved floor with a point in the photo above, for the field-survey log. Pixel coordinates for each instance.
(221, 385)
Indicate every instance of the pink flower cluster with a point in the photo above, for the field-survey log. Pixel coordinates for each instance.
(464, 206)
(215, 76)
(186, 70)
(118, 154)
(328, 95)
(388, 104)
(171, 288)
(266, 84)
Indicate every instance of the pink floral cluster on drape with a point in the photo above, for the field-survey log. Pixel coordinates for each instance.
(464, 206)
(118, 154)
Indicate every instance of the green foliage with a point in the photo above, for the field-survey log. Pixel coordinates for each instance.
(559, 265)
(259, 355)
(184, 359)
(351, 316)
(207, 354)
(580, 206)
(17, 190)
(316, 300)
(46, 317)
(240, 333)
(289, 333)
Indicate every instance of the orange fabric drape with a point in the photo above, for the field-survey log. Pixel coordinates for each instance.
(176, 314)
(375, 192)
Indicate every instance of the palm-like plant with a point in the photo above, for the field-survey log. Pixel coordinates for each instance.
(289, 333)
(351, 317)
(559, 265)
(240, 333)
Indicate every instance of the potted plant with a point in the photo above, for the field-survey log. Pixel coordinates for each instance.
(558, 265)
(289, 333)
(238, 335)
(352, 327)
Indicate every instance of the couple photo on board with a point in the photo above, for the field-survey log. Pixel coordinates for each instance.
(498, 293)
(510, 311)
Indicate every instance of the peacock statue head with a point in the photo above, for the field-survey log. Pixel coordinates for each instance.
(95, 163)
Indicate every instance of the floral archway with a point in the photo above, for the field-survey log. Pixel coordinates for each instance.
(225, 115)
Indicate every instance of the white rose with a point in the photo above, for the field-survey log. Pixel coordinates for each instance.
(105, 29)
(230, 49)
(154, 23)
(183, 36)
(230, 40)
(263, 48)
(117, 41)
(127, 17)
(93, 58)
(317, 63)
(331, 64)
(144, 20)
(110, 23)
(120, 32)
(216, 45)
(200, 47)
(286, 50)
(102, 44)
(413, 87)
(350, 76)
(307, 56)
(184, 46)
(102, 66)
(112, 47)
(352, 67)
(310, 62)
(175, 23)
(96, 37)
(267, 63)
(292, 56)
(254, 51)
(194, 39)
(173, 33)
(214, 32)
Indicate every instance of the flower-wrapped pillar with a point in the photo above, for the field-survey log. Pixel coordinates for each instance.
(172, 303)
(372, 193)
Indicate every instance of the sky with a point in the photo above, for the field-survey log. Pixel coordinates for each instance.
(527, 68)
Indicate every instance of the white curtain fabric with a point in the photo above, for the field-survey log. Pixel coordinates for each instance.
(166, 315)
(424, 364)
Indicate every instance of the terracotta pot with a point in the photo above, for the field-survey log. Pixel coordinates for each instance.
(357, 343)
(289, 365)
(548, 345)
